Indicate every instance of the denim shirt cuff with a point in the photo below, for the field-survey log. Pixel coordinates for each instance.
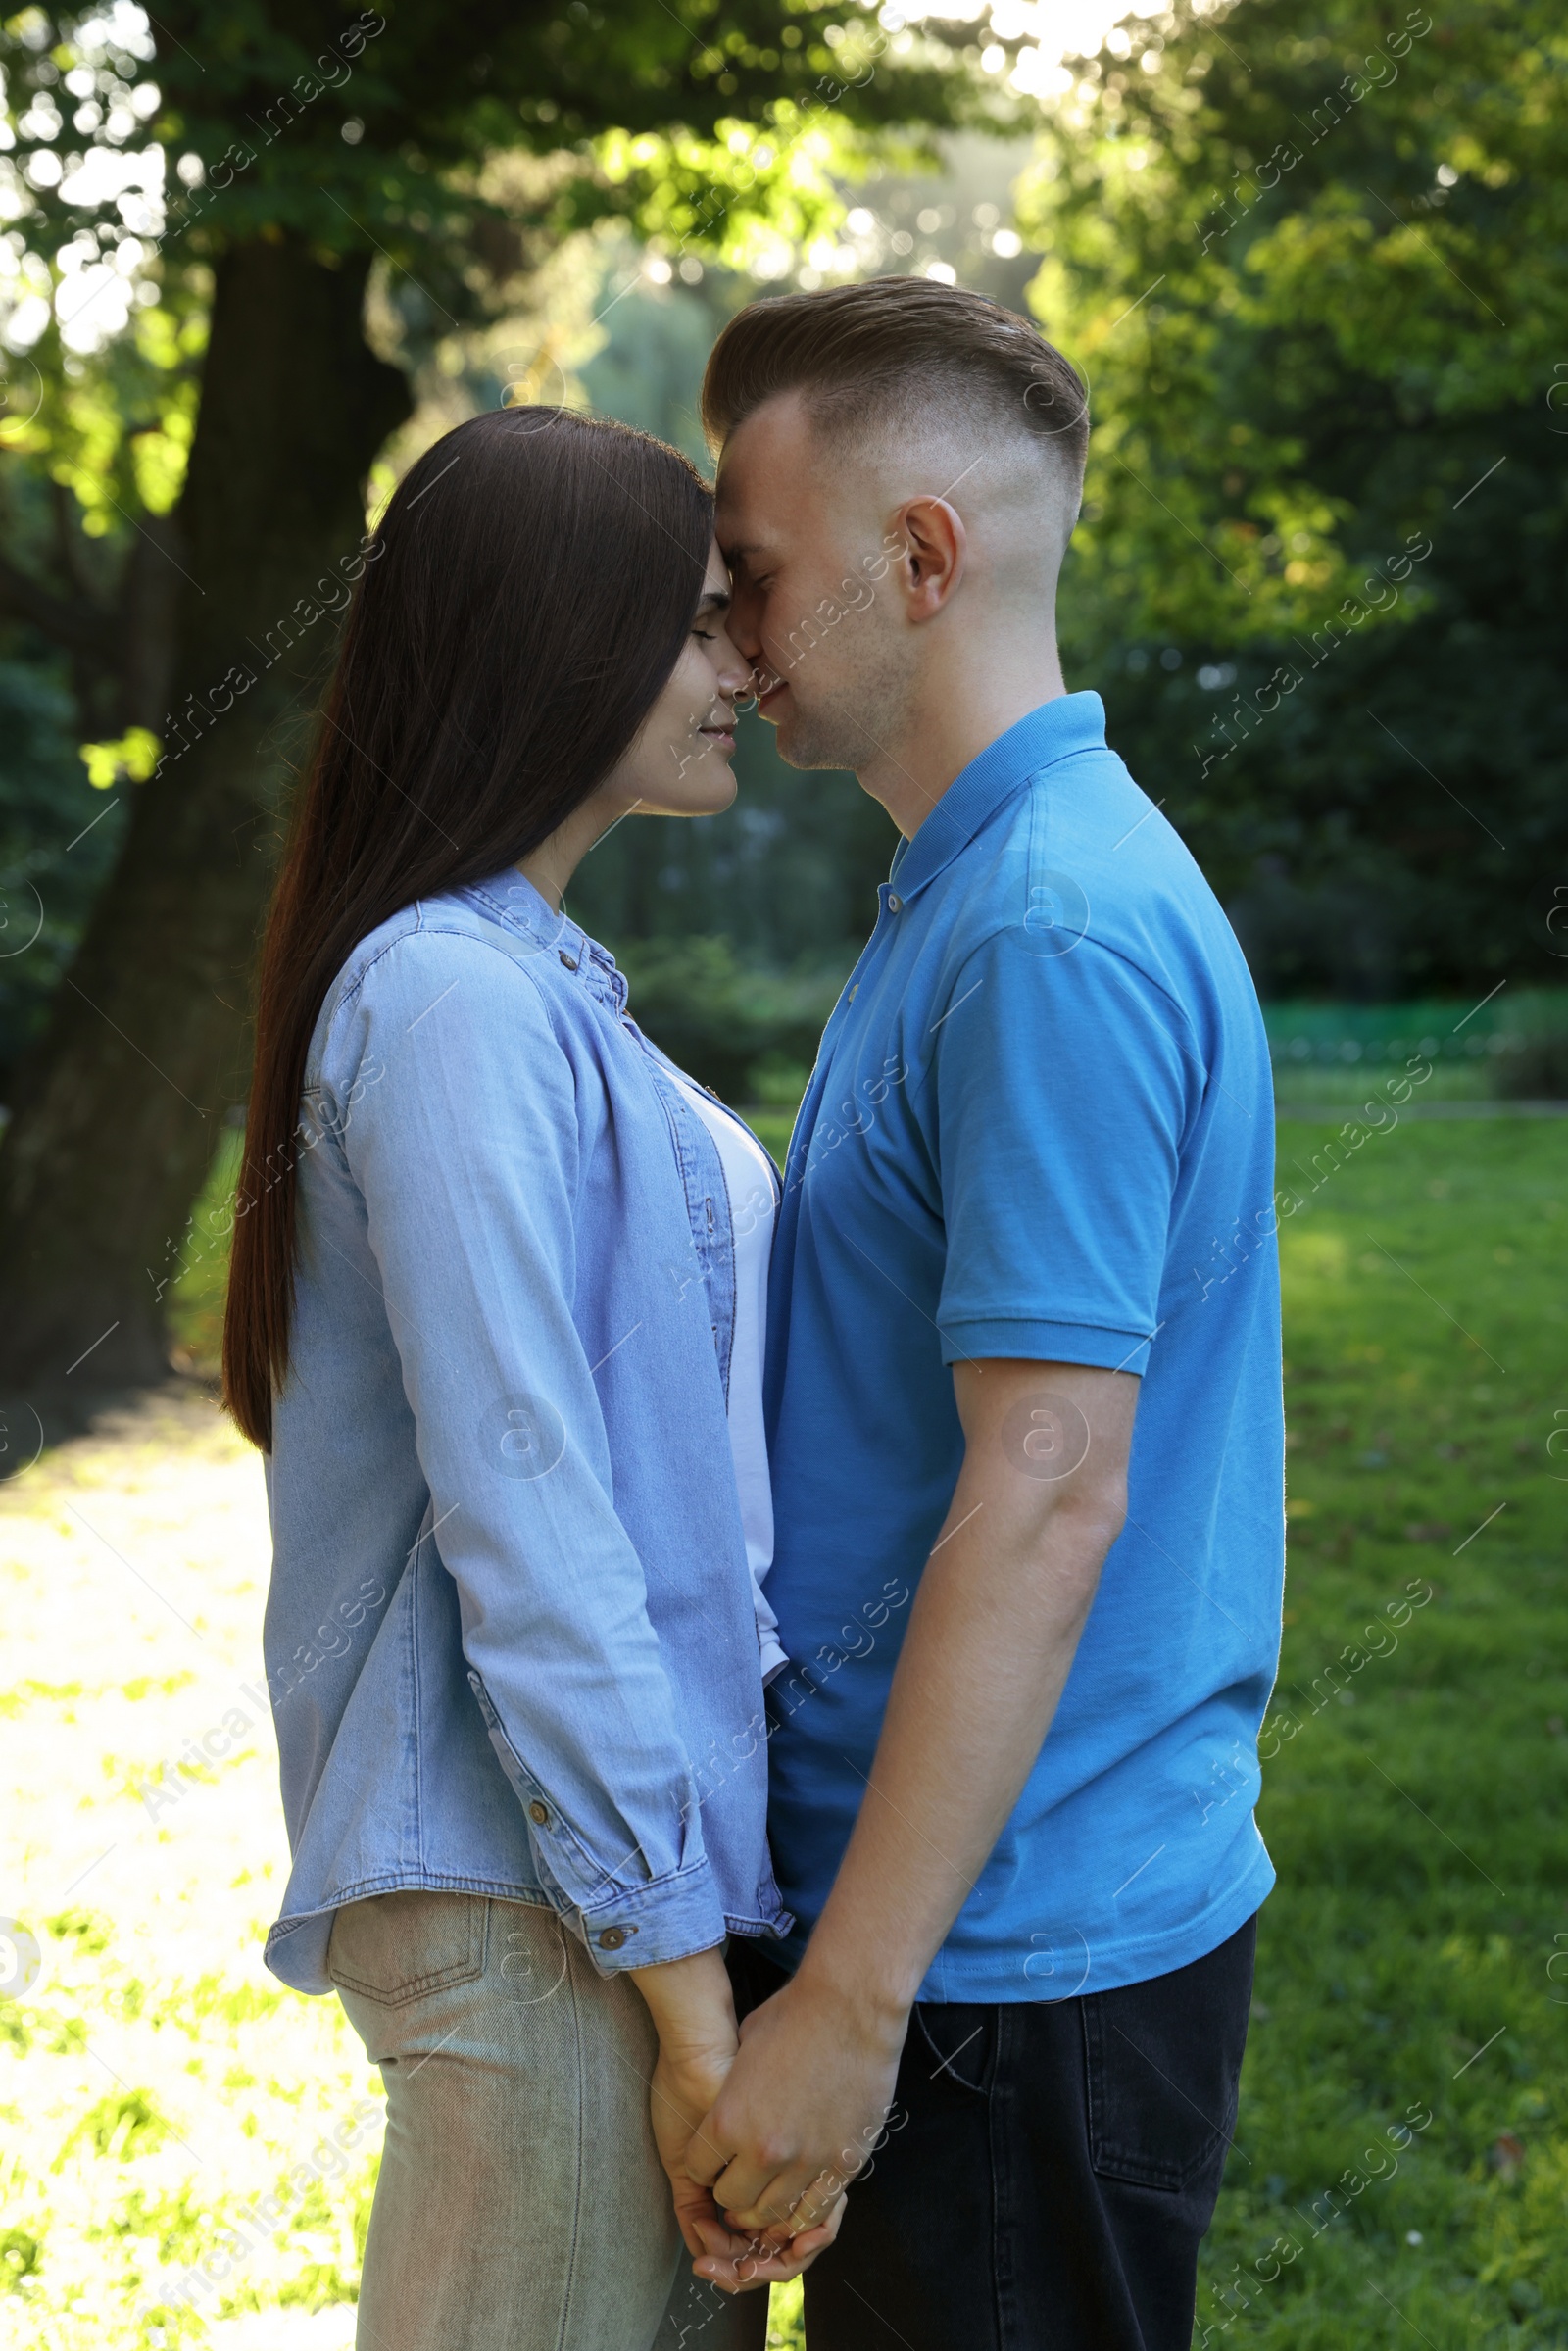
(669, 1919)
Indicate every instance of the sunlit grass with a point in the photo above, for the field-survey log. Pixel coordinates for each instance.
(156, 2082)
(196, 1300)
(1415, 1801)
(785, 2331)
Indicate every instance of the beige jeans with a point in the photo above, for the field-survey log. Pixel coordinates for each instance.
(520, 2204)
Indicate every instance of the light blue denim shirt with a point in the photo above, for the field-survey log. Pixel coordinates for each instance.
(510, 1639)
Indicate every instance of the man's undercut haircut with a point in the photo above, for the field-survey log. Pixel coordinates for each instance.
(879, 354)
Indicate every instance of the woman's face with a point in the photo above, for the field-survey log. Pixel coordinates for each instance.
(679, 763)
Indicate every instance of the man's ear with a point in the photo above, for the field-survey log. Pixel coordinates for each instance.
(931, 558)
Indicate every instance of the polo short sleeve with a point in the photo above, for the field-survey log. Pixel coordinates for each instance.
(1063, 1089)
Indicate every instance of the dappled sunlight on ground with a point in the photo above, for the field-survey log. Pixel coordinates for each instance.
(162, 2080)
(160, 2088)
(1400, 2169)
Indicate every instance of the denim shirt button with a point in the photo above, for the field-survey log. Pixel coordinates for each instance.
(614, 1937)
(539, 1813)
(571, 962)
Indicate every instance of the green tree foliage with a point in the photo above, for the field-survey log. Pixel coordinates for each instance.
(1312, 261)
(305, 144)
(358, 135)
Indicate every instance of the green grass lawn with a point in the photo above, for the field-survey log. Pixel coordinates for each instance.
(196, 1301)
(1413, 1959)
(1400, 2171)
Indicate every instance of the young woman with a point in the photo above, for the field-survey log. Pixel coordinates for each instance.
(496, 1321)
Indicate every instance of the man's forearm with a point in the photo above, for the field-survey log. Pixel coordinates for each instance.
(991, 1641)
(989, 1644)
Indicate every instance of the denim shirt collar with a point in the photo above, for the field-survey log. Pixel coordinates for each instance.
(1056, 730)
(510, 899)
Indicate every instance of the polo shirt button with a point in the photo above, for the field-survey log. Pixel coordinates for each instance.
(539, 1813)
(571, 962)
(894, 904)
(614, 1937)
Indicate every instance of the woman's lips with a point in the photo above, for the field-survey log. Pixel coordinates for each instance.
(724, 736)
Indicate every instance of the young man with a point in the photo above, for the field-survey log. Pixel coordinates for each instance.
(1023, 1394)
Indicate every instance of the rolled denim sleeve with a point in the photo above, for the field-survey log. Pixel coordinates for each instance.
(465, 1151)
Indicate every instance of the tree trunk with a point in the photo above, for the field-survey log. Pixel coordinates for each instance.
(121, 1107)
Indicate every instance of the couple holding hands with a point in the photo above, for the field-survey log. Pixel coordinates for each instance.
(791, 1810)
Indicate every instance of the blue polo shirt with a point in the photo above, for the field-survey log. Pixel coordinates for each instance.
(1040, 1127)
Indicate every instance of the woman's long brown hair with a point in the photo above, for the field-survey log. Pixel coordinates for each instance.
(524, 602)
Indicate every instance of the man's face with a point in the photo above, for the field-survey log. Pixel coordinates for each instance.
(814, 598)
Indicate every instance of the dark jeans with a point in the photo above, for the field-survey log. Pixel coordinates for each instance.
(1051, 2170)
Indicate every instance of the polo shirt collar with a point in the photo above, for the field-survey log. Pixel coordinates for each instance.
(1071, 722)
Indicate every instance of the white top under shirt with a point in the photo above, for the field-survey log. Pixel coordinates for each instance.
(753, 1206)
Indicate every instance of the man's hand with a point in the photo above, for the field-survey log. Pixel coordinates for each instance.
(991, 1639)
(802, 2109)
(736, 2259)
(693, 2011)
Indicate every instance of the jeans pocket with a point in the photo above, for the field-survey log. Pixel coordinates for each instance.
(1162, 2063)
(397, 1947)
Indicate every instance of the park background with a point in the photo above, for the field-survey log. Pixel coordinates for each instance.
(1311, 261)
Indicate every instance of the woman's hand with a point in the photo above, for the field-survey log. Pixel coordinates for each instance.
(736, 2262)
(694, 2014)
(678, 2100)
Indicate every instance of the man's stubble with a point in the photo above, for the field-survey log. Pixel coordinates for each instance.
(857, 711)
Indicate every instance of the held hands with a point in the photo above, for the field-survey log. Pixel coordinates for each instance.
(694, 2013)
(800, 2113)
